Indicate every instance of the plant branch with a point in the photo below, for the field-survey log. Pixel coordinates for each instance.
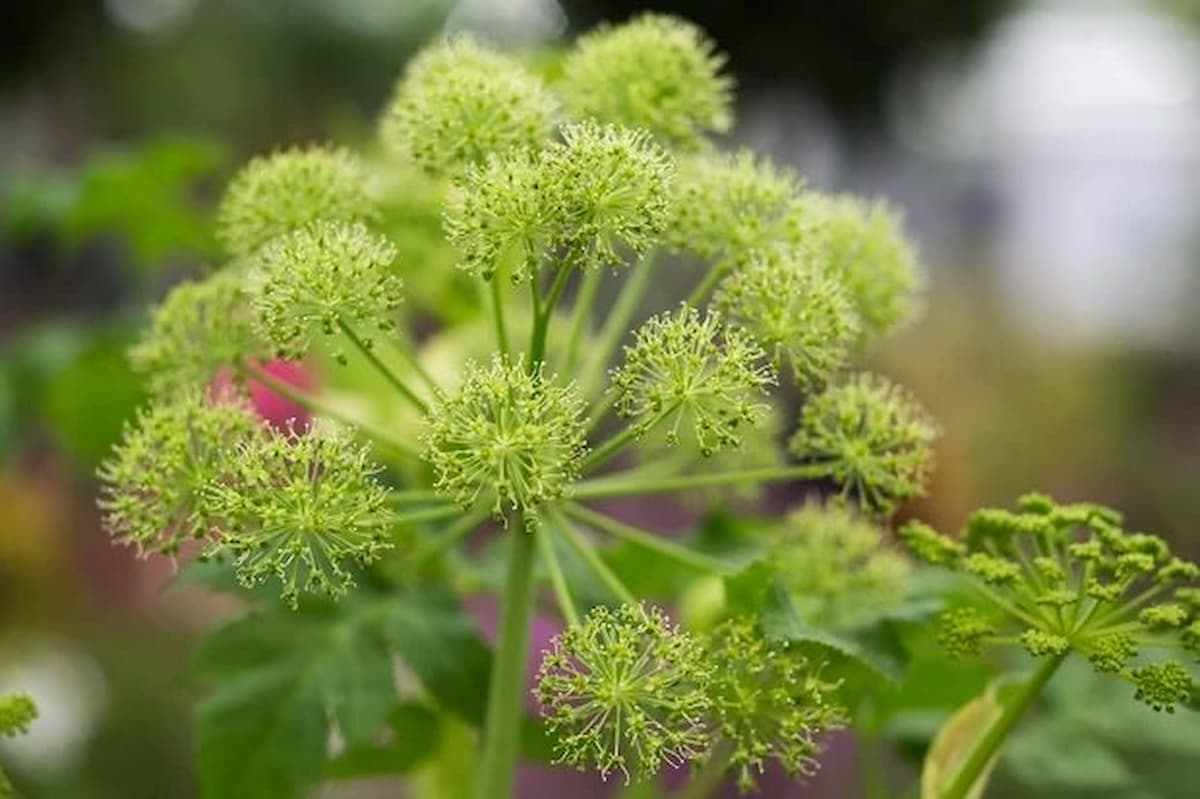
(562, 593)
(588, 553)
(620, 486)
(647, 540)
(383, 369)
(617, 323)
(585, 298)
(498, 316)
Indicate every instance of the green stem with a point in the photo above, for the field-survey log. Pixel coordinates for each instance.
(498, 316)
(647, 540)
(558, 581)
(502, 738)
(993, 738)
(619, 486)
(427, 515)
(316, 406)
(613, 445)
(705, 286)
(617, 323)
(383, 369)
(409, 354)
(448, 537)
(541, 317)
(407, 495)
(580, 314)
(588, 554)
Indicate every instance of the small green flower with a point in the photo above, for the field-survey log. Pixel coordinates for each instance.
(200, 328)
(836, 565)
(692, 371)
(509, 437)
(870, 436)
(992, 569)
(796, 312)
(279, 193)
(930, 545)
(769, 703)
(961, 631)
(729, 206)
(1163, 617)
(864, 246)
(1040, 643)
(496, 216)
(320, 278)
(17, 712)
(459, 102)
(153, 485)
(1111, 652)
(656, 72)
(300, 507)
(627, 691)
(1163, 685)
(608, 194)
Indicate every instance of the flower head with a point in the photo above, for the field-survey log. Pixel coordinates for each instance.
(871, 436)
(626, 690)
(731, 205)
(17, 712)
(796, 311)
(608, 192)
(301, 508)
(863, 245)
(153, 485)
(655, 72)
(1163, 685)
(690, 370)
(460, 102)
(836, 565)
(321, 278)
(278, 193)
(200, 328)
(510, 437)
(769, 702)
(961, 631)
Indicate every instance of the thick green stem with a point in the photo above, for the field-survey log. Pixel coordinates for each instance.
(619, 486)
(617, 323)
(542, 313)
(502, 736)
(383, 369)
(647, 540)
(994, 737)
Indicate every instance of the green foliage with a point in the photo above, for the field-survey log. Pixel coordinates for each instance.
(321, 279)
(691, 371)
(510, 438)
(460, 102)
(871, 437)
(655, 72)
(282, 192)
(626, 691)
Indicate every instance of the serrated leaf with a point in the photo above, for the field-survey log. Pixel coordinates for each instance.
(954, 742)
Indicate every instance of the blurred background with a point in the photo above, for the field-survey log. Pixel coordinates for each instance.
(1047, 153)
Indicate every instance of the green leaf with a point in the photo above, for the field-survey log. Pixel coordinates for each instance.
(1053, 754)
(280, 678)
(415, 733)
(954, 743)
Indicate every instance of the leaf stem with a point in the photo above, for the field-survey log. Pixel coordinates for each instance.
(502, 736)
(647, 540)
(990, 743)
(383, 369)
(617, 323)
(562, 593)
(619, 485)
(588, 553)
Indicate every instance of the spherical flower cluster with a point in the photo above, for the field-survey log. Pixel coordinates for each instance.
(871, 437)
(510, 437)
(795, 310)
(301, 508)
(863, 245)
(769, 703)
(321, 279)
(836, 565)
(153, 485)
(626, 691)
(656, 72)
(200, 328)
(690, 371)
(730, 205)
(1069, 578)
(961, 631)
(460, 102)
(276, 194)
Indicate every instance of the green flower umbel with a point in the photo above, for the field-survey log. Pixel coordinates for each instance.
(626, 691)
(691, 371)
(17, 712)
(510, 438)
(1068, 578)
(275, 194)
(657, 72)
(301, 508)
(871, 437)
(769, 703)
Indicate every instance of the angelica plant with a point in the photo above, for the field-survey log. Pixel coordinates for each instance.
(578, 380)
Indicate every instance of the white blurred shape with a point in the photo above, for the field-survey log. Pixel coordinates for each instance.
(524, 22)
(149, 16)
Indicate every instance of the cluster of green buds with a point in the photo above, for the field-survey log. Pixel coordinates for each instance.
(17, 712)
(1057, 579)
(560, 198)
